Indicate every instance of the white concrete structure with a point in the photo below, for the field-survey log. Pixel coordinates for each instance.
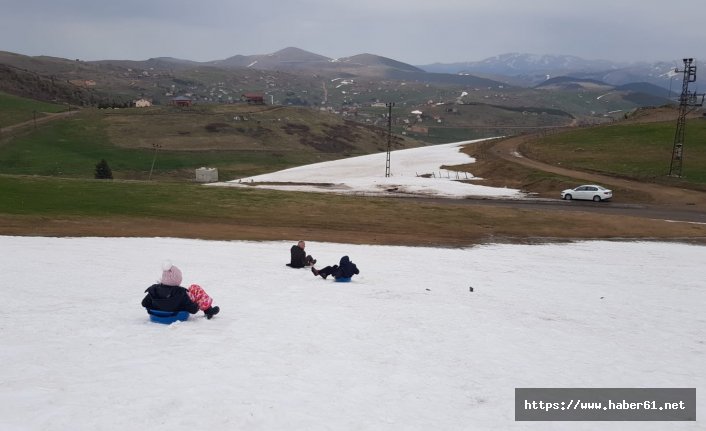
(206, 175)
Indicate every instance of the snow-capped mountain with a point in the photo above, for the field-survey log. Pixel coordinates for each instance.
(531, 69)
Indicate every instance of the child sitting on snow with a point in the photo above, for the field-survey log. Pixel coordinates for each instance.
(167, 295)
(344, 269)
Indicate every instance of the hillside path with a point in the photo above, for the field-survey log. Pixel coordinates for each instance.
(48, 117)
(509, 150)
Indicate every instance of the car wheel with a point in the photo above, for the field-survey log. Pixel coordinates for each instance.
(596, 198)
(567, 197)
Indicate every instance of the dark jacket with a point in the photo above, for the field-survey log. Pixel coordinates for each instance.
(346, 268)
(169, 298)
(298, 257)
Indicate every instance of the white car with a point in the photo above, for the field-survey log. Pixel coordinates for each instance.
(589, 192)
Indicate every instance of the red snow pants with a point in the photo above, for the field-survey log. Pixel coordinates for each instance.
(199, 297)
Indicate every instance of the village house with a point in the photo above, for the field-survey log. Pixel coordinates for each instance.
(142, 103)
(182, 101)
(253, 98)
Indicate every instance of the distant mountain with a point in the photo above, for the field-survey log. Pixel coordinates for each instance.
(659, 73)
(530, 70)
(647, 88)
(640, 93)
(567, 82)
(365, 66)
(293, 76)
(35, 86)
(285, 59)
(166, 64)
(658, 94)
(295, 59)
(41, 64)
(375, 61)
(515, 64)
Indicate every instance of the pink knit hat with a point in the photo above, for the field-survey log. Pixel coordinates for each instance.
(171, 275)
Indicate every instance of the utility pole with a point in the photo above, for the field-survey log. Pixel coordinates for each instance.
(154, 159)
(686, 100)
(389, 136)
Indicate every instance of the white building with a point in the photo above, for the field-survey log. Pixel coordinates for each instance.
(142, 103)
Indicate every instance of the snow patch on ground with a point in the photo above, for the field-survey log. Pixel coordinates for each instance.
(414, 171)
(404, 346)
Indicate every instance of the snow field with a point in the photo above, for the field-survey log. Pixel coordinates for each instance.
(365, 175)
(404, 346)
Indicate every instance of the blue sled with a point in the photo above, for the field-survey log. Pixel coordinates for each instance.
(342, 279)
(167, 317)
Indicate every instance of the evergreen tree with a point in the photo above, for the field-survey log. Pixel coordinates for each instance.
(103, 171)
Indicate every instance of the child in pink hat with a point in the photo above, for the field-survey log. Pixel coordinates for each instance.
(168, 295)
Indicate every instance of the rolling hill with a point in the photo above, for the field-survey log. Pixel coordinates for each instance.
(293, 76)
(531, 69)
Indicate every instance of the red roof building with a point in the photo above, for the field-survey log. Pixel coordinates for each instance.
(181, 101)
(253, 98)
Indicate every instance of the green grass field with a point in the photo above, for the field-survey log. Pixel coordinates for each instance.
(71, 147)
(46, 178)
(640, 151)
(61, 207)
(66, 198)
(14, 110)
(70, 197)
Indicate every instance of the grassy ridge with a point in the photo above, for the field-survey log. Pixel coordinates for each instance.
(53, 206)
(72, 147)
(64, 153)
(53, 197)
(14, 110)
(268, 141)
(69, 147)
(56, 198)
(641, 151)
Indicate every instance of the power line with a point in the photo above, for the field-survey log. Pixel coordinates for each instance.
(686, 100)
(389, 136)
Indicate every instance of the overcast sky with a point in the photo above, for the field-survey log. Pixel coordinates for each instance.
(413, 31)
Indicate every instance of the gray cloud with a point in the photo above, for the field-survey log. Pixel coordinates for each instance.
(432, 31)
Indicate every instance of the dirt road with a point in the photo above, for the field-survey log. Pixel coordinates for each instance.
(41, 120)
(660, 195)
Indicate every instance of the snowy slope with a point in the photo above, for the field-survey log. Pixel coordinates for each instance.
(405, 346)
(414, 171)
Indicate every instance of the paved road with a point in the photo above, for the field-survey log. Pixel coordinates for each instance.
(508, 150)
(659, 212)
(667, 203)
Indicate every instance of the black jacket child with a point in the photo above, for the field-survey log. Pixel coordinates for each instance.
(168, 298)
(344, 269)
